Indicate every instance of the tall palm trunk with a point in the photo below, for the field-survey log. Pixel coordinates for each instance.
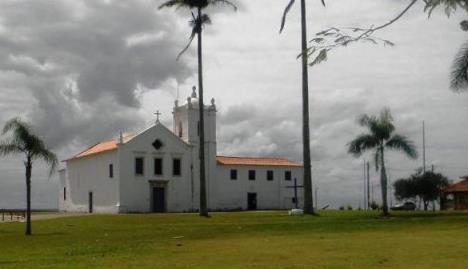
(203, 206)
(28, 166)
(308, 201)
(383, 183)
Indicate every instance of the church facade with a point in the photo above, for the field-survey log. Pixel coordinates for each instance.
(157, 170)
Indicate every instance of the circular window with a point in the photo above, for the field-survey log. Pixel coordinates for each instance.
(157, 144)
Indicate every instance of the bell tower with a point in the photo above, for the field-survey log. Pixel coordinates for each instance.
(187, 126)
(187, 122)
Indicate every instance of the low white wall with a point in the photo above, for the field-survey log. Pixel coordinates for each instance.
(90, 174)
(232, 194)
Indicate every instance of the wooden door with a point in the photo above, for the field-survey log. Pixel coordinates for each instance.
(90, 202)
(159, 200)
(251, 201)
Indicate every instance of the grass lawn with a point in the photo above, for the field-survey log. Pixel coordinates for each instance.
(335, 239)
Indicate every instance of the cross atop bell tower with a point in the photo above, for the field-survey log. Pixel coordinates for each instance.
(194, 92)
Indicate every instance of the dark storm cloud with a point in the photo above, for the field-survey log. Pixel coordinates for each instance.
(85, 62)
(76, 70)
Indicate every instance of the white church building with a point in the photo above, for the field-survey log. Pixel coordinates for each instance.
(157, 170)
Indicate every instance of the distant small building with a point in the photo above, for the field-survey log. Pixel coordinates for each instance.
(457, 194)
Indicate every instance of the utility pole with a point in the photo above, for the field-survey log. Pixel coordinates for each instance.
(368, 180)
(316, 197)
(390, 186)
(365, 178)
(424, 146)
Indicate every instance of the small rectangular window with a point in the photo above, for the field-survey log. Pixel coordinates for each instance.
(269, 175)
(111, 170)
(233, 174)
(158, 166)
(139, 166)
(251, 174)
(64, 194)
(287, 175)
(176, 167)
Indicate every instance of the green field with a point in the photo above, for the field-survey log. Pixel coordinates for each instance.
(335, 239)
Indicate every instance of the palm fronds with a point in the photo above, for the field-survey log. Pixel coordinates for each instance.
(225, 2)
(401, 143)
(195, 4)
(380, 127)
(459, 74)
(172, 3)
(380, 136)
(366, 120)
(285, 13)
(450, 6)
(9, 148)
(362, 143)
(51, 159)
(23, 140)
(196, 24)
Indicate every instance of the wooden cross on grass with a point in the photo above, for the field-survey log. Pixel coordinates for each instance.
(296, 202)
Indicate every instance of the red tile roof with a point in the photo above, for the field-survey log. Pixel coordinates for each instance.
(461, 186)
(111, 145)
(101, 147)
(251, 161)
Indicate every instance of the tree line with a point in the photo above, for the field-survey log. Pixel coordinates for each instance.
(424, 186)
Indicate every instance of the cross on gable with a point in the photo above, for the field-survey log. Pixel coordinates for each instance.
(157, 115)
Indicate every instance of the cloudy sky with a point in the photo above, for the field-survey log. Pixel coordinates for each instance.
(82, 70)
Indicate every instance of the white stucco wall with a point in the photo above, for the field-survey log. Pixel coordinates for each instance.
(63, 187)
(136, 190)
(90, 174)
(128, 192)
(232, 194)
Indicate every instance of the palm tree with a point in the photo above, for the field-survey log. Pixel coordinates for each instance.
(308, 199)
(197, 23)
(381, 137)
(23, 140)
